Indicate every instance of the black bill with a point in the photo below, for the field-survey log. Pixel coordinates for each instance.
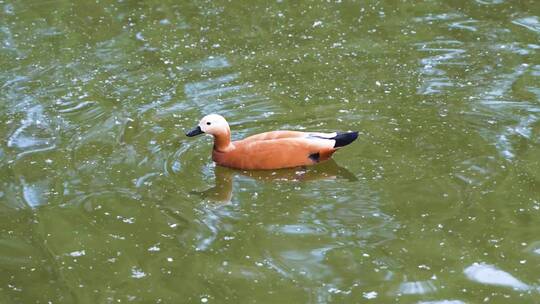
(194, 132)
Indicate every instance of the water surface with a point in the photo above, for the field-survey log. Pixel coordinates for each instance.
(104, 200)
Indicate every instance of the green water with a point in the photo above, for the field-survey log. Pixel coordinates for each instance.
(104, 200)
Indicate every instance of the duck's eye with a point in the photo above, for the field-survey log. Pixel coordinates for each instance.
(208, 123)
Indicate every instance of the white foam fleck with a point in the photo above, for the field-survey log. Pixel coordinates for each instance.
(78, 253)
(370, 295)
(137, 273)
(154, 248)
(139, 36)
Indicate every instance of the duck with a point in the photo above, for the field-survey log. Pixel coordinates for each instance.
(269, 150)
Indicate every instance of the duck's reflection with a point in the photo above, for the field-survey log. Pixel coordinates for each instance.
(222, 192)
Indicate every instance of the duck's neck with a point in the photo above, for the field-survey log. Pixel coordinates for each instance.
(222, 141)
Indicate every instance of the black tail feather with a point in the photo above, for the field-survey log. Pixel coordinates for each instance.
(344, 138)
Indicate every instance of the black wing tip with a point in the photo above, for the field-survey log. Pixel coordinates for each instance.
(344, 138)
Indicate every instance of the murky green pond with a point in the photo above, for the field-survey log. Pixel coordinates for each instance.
(104, 200)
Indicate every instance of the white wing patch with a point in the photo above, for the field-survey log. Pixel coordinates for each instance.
(322, 135)
(326, 139)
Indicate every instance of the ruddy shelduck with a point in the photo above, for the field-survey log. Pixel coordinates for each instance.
(269, 150)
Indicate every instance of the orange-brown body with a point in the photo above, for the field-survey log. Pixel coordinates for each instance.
(273, 150)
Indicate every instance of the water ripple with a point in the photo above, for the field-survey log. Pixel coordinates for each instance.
(518, 116)
(435, 78)
(490, 275)
(211, 88)
(35, 133)
(418, 287)
(532, 23)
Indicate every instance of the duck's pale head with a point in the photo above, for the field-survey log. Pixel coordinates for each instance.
(213, 124)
